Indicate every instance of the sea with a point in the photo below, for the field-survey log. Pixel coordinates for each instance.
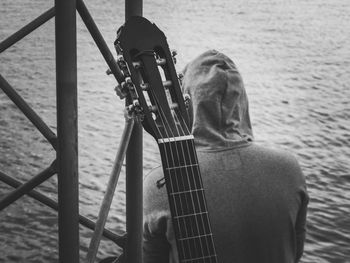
(294, 57)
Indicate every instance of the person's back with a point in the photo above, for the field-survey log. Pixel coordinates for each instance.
(256, 197)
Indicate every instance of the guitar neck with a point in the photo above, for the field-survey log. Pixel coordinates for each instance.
(187, 200)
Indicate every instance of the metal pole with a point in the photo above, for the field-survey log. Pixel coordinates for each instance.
(67, 131)
(133, 8)
(28, 186)
(28, 112)
(134, 175)
(108, 197)
(27, 29)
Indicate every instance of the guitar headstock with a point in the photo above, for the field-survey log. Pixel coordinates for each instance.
(151, 83)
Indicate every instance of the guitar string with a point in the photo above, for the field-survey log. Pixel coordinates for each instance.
(165, 146)
(161, 113)
(161, 116)
(171, 178)
(201, 185)
(196, 228)
(192, 200)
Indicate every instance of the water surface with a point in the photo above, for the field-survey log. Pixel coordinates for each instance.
(294, 57)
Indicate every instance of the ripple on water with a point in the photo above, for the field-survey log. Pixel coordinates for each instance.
(293, 57)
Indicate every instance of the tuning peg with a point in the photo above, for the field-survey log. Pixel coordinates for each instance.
(122, 65)
(129, 86)
(121, 62)
(124, 88)
(109, 71)
(136, 108)
(128, 81)
(121, 90)
(118, 48)
(187, 100)
(173, 54)
(180, 76)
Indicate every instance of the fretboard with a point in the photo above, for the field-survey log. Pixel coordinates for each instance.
(187, 201)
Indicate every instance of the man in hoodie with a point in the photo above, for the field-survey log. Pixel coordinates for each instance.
(256, 197)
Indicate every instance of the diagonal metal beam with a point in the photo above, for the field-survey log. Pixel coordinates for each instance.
(109, 193)
(100, 42)
(30, 27)
(28, 186)
(28, 112)
(119, 240)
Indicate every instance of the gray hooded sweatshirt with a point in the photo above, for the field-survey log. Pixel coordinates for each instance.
(256, 197)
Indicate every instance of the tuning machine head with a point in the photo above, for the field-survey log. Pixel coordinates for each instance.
(187, 100)
(125, 88)
(118, 48)
(180, 77)
(173, 54)
(123, 66)
(135, 110)
(121, 91)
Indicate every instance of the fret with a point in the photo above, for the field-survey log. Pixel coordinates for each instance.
(196, 225)
(178, 153)
(188, 191)
(189, 202)
(195, 214)
(183, 179)
(197, 247)
(201, 259)
(184, 166)
(194, 237)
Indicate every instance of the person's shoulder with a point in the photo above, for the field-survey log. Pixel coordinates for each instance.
(276, 163)
(275, 156)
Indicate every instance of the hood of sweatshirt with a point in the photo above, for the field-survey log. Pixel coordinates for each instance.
(219, 109)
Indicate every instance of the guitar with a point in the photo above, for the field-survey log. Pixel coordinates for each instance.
(153, 91)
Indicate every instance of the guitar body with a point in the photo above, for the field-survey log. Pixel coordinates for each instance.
(154, 93)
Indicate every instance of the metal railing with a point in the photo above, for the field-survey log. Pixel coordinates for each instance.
(66, 146)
